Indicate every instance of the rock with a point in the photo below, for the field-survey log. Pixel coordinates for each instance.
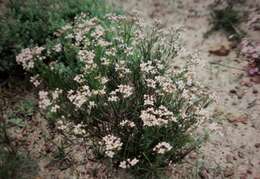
(243, 176)
(240, 119)
(249, 171)
(204, 174)
(228, 172)
(221, 50)
(193, 156)
(234, 103)
(257, 27)
(243, 146)
(246, 83)
(257, 145)
(240, 94)
(256, 79)
(229, 158)
(255, 91)
(233, 91)
(241, 154)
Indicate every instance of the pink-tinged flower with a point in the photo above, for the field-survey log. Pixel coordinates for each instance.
(162, 148)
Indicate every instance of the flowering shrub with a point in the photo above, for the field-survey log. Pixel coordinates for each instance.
(107, 83)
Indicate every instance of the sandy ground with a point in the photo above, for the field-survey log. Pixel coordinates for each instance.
(232, 150)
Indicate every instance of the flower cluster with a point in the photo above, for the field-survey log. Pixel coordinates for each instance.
(35, 80)
(69, 127)
(128, 163)
(251, 50)
(27, 56)
(157, 117)
(127, 123)
(79, 97)
(44, 100)
(112, 145)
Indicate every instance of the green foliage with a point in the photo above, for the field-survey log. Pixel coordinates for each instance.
(30, 22)
(14, 165)
(8, 164)
(20, 113)
(11, 161)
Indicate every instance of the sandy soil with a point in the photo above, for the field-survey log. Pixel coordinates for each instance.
(232, 150)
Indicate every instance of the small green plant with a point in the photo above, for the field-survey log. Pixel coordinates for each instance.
(21, 113)
(226, 19)
(11, 160)
(16, 165)
(107, 83)
(30, 22)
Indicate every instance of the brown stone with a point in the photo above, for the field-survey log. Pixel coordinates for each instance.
(241, 154)
(255, 91)
(243, 176)
(257, 145)
(240, 119)
(233, 91)
(229, 158)
(228, 172)
(222, 50)
(246, 83)
(249, 171)
(256, 79)
(204, 174)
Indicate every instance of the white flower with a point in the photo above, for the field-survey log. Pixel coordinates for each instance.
(111, 144)
(103, 43)
(104, 80)
(127, 123)
(61, 125)
(57, 47)
(128, 163)
(180, 84)
(166, 84)
(162, 148)
(79, 97)
(157, 117)
(113, 97)
(56, 93)
(35, 80)
(133, 162)
(79, 78)
(110, 153)
(88, 58)
(123, 164)
(55, 108)
(91, 104)
(122, 69)
(148, 68)
(125, 90)
(148, 100)
(26, 57)
(78, 130)
(44, 100)
(150, 83)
